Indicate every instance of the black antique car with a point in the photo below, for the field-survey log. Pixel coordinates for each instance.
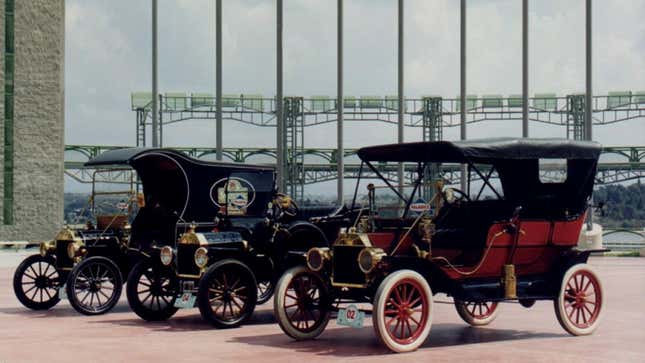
(213, 234)
(85, 262)
(511, 235)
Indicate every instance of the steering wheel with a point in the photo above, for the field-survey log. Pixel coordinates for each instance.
(283, 205)
(448, 195)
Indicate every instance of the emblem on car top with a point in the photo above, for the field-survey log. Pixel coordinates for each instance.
(232, 195)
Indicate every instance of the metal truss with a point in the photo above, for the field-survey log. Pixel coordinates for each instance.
(627, 163)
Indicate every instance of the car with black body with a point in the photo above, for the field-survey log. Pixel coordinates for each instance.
(84, 263)
(213, 234)
(512, 234)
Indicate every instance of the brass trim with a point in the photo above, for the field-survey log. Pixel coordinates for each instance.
(510, 282)
(340, 284)
(190, 276)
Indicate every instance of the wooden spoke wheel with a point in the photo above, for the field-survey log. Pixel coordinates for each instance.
(477, 313)
(94, 286)
(302, 303)
(152, 292)
(403, 311)
(578, 307)
(36, 282)
(227, 294)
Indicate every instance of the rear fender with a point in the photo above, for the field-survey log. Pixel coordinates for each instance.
(567, 259)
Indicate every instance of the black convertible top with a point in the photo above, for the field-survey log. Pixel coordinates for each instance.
(482, 150)
(127, 156)
(193, 189)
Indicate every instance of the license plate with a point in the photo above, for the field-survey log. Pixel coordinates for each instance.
(62, 292)
(186, 301)
(350, 316)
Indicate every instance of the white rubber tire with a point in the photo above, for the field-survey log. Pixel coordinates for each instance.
(279, 302)
(467, 316)
(380, 302)
(560, 303)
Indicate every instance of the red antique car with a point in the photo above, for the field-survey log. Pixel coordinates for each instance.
(511, 235)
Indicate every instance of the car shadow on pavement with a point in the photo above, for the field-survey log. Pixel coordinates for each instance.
(182, 323)
(59, 311)
(347, 342)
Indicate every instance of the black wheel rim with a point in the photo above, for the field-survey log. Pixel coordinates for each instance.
(95, 287)
(304, 304)
(228, 294)
(40, 282)
(155, 291)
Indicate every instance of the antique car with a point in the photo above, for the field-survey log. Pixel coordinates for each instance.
(213, 234)
(511, 235)
(85, 263)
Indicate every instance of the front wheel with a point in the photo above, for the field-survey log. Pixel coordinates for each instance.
(227, 294)
(578, 306)
(94, 286)
(403, 311)
(151, 293)
(36, 282)
(477, 313)
(302, 303)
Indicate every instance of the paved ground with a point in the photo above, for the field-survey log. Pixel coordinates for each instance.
(518, 335)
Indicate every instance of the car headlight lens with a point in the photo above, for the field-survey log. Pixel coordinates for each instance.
(369, 258)
(72, 249)
(316, 258)
(165, 255)
(201, 257)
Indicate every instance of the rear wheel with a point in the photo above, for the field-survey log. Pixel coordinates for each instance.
(94, 286)
(302, 303)
(227, 294)
(403, 311)
(265, 291)
(477, 313)
(151, 293)
(36, 282)
(578, 306)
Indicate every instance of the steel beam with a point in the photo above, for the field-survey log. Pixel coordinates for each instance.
(218, 79)
(401, 109)
(525, 68)
(462, 92)
(280, 129)
(589, 93)
(589, 98)
(155, 90)
(340, 106)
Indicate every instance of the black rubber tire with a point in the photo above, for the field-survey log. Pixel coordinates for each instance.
(156, 279)
(265, 295)
(246, 294)
(27, 271)
(89, 271)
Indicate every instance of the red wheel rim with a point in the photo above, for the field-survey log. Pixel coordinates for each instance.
(406, 311)
(480, 310)
(304, 303)
(582, 299)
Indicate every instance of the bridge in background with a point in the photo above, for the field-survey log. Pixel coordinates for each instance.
(430, 113)
(618, 164)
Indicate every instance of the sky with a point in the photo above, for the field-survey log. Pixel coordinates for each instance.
(108, 56)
